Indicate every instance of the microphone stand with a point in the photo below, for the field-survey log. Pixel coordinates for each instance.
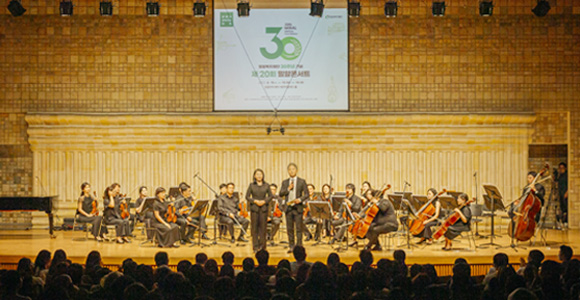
(214, 242)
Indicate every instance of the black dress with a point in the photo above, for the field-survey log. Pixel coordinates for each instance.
(87, 206)
(166, 237)
(112, 217)
(456, 229)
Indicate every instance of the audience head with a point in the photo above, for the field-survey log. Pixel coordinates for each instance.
(366, 258)
(262, 257)
(25, 267)
(42, 260)
(333, 260)
(183, 266)
(161, 259)
(299, 253)
(211, 267)
(283, 264)
(566, 253)
(500, 260)
(93, 260)
(248, 264)
(228, 258)
(135, 291)
(536, 257)
(399, 256)
(227, 271)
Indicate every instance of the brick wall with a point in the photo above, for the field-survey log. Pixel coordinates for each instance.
(510, 62)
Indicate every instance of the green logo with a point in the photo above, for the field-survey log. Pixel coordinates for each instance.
(227, 19)
(281, 46)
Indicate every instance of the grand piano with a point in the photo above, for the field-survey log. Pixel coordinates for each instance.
(30, 204)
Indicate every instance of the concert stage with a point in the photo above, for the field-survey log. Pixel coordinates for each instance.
(16, 244)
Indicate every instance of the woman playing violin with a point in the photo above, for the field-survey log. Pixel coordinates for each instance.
(112, 217)
(163, 221)
(87, 212)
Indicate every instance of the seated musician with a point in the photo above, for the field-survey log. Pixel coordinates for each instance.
(365, 186)
(308, 219)
(275, 216)
(87, 212)
(164, 216)
(537, 188)
(385, 220)
(229, 210)
(183, 202)
(120, 199)
(111, 216)
(433, 221)
(355, 205)
(143, 213)
(461, 225)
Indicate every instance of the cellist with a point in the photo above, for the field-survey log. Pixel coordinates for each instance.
(355, 204)
(537, 188)
(433, 221)
(385, 220)
(461, 225)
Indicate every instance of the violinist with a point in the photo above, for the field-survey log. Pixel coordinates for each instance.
(308, 219)
(167, 231)
(140, 203)
(259, 196)
(87, 212)
(433, 221)
(276, 213)
(355, 204)
(120, 201)
(462, 225)
(183, 201)
(385, 220)
(112, 217)
(229, 209)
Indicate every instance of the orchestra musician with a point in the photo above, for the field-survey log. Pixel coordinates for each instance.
(275, 216)
(187, 224)
(308, 219)
(365, 186)
(433, 221)
(538, 189)
(295, 193)
(341, 218)
(223, 189)
(144, 214)
(167, 231)
(87, 212)
(385, 220)
(111, 216)
(229, 209)
(462, 225)
(259, 196)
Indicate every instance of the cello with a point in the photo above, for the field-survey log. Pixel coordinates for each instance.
(362, 225)
(523, 226)
(416, 226)
(452, 219)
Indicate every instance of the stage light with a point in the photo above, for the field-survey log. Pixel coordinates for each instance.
(542, 8)
(199, 9)
(485, 8)
(152, 9)
(353, 9)
(106, 8)
(391, 9)
(438, 8)
(316, 8)
(243, 9)
(66, 8)
(16, 8)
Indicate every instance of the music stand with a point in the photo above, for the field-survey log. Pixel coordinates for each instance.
(419, 201)
(271, 207)
(493, 200)
(148, 206)
(408, 198)
(397, 200)
(213, 211)
(337, 199)
(406, 195)
(174, 192)
(453, 194)
(347, 223)
(321, 210)
(196, 213)
(448, 203)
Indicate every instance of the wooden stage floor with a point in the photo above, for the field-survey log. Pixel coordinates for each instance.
(17, 244)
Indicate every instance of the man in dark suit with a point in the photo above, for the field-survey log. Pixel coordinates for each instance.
(295, 193)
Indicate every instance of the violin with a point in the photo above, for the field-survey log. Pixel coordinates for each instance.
(95, 204)
(452, 219)
(523, 226)
(427, 211)
(124, 208)
(243, 206)
(277, 212)
(368, 214)
(170, 215)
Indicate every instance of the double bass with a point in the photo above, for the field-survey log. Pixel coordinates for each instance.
(368, 213)
(416, 226)
(452, 219)
(523, 226)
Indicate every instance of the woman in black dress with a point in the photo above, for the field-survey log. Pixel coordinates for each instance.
(167, 230)
(87, 212)
(461, 225)
(112, 217)
(259, 196)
